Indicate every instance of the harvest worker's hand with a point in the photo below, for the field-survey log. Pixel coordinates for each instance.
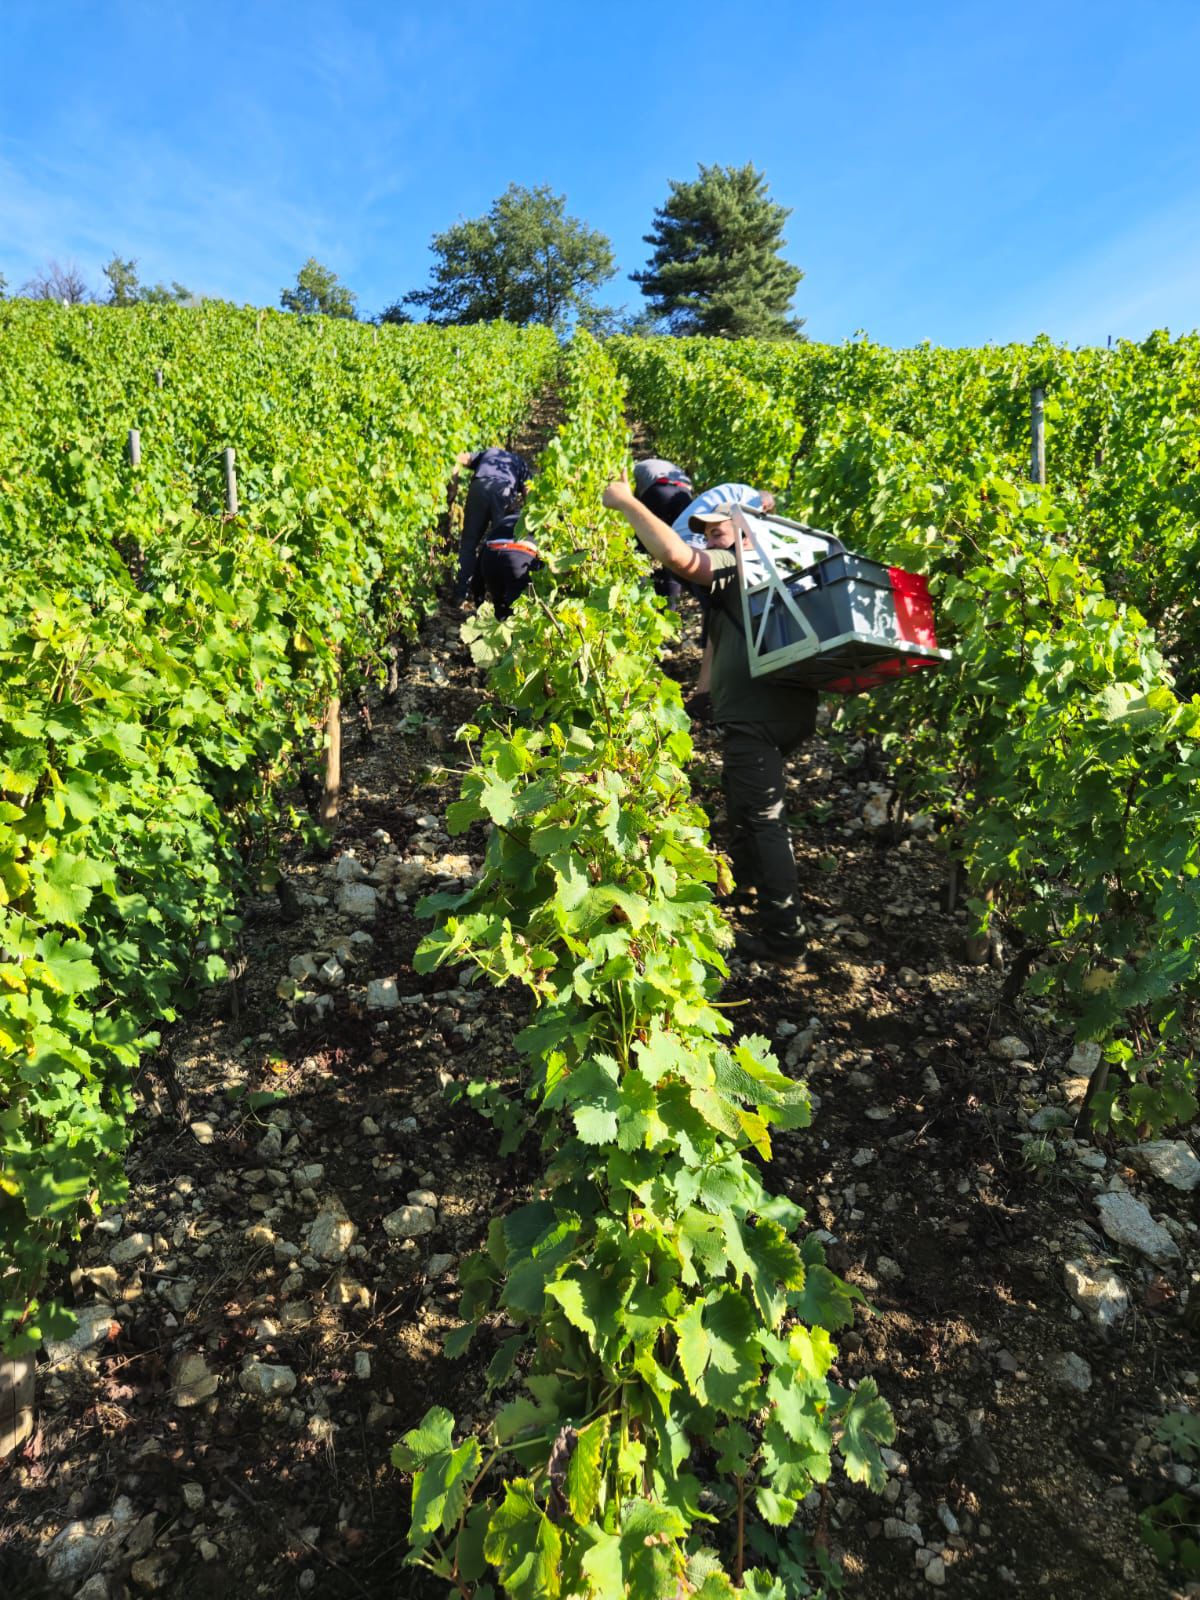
(618, 494)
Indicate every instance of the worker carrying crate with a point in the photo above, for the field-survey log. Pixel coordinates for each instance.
(809, 616)
(814, 613)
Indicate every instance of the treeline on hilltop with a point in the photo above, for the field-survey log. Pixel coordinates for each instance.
(716, 267)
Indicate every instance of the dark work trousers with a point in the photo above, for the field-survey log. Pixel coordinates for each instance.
(755, 788)
(668, 586)
(486, 503)
(506, 575)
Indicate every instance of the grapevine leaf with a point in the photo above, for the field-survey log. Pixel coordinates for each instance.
(777, 1509)
(570, 1296)
(65, 892)
(758, 1584)
(825, 1300)
(584, 1474)
(866, 1424)
(440, 1489)
(736, 1448)
(647, 1560)
(602, 1566)
(432, 1435)
(595, 1124)
(67, 964)
(524, 1545)
(458, 1340)
(500, 1367)
(1180, 1432)
(775, 1265)
(694, 1347)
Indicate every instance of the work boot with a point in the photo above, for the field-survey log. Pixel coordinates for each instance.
(780, 949)
(742, 897)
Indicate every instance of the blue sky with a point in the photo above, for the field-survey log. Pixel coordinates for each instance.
(957, 172)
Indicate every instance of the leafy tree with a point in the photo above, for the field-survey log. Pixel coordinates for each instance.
(318, 293)
(525, 261)
(394, 313)
(125, 290)
(3, 286)
(717, 266)
(602, 322)
(58, 283)
(122, 281)
(161, 295)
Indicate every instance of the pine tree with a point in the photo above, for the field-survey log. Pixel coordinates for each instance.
(717, 267)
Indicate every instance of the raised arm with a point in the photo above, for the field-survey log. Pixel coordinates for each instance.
(656, 537)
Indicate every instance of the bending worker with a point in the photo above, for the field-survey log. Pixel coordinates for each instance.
(665, 489)
(499, 478)
(506, 564)
(761, 722)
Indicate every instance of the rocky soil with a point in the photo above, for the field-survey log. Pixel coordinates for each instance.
(265, 1315)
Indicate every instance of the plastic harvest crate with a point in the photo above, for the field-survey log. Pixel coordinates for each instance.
(814, 613)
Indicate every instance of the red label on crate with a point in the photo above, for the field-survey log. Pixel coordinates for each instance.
(914, 609)
(887, 671)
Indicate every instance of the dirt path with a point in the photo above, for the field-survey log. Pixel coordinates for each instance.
(271, 1301)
